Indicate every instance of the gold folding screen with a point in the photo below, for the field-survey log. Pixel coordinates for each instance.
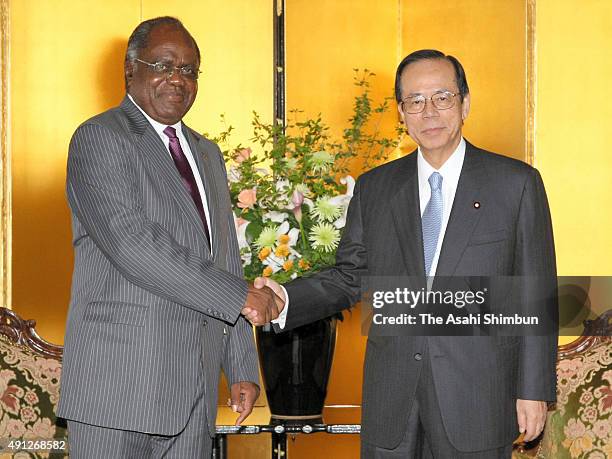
(65, 65)
(5, 165)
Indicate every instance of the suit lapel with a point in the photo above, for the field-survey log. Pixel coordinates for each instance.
(407, 216)
(158, 157)
(206, 168)
(464, 215)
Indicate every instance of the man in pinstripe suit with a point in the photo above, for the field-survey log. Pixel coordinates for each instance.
(157, 289)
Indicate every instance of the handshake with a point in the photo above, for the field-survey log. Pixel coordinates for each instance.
(264, 302)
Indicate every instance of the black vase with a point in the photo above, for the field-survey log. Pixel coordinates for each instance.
(295, 366)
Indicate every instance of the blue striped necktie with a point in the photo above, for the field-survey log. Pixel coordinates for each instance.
(431, 221)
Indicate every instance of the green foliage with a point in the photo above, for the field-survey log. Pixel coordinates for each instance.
(299, 161)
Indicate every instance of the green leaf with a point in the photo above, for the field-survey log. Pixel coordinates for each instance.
(362, 144)
(253, 230)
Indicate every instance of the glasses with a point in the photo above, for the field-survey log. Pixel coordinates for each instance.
(168, 70)
(416, 104)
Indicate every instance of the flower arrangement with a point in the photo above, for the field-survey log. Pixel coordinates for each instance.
(290, 201)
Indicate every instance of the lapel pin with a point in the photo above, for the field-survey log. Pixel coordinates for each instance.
(476, 205)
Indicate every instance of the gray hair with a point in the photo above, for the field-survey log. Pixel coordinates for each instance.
(139, 39)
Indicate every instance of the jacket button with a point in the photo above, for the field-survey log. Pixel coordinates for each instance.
(205, 323)
(418, 356)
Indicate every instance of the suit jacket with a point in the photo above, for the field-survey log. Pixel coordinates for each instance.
(477, 379)
(154, 311)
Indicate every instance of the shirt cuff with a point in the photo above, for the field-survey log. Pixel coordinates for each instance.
(282, 317)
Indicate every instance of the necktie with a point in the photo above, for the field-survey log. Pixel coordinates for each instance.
(180, 160)
(432, 220)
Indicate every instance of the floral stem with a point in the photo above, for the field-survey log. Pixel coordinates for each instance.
(304, 241)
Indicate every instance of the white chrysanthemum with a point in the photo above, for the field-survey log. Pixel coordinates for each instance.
(325, 237)
(321, 161)
(267, 237)
(326, 210)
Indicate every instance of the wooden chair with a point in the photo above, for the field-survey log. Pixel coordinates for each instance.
(30, 370)
(22, 332)
(580, 425)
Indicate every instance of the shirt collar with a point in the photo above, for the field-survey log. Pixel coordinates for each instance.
(159, 127)
(450, 170)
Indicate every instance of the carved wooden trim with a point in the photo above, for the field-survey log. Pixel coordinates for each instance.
(22, 332)
(595, 332)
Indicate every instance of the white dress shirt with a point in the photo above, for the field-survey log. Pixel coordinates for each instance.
(450, 172)
(159, 128)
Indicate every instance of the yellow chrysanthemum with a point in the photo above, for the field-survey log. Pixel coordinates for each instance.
(263, 253)
(267, 272)
(282, 250)
(283, 238)
(288, 265)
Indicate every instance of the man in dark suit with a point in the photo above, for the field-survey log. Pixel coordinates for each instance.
(448, 209)
(157, 289)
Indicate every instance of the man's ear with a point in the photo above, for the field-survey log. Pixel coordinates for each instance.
(401, 113)
(465, 107)
(128, 69)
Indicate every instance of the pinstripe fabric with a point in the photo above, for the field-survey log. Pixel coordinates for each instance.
(154, 313)
(88, 441)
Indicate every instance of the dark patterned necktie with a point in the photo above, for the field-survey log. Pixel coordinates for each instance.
(180, 160)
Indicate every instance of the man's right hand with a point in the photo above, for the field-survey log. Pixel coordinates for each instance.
(261, 282)
(260, 306)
